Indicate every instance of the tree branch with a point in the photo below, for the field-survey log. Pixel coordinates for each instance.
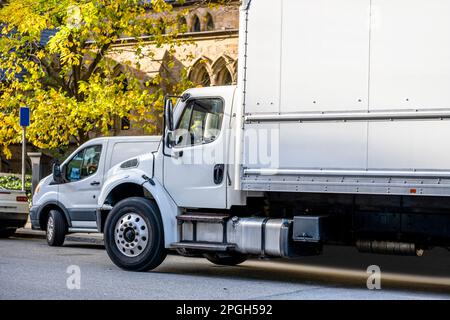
(96, 61)
(55, 75)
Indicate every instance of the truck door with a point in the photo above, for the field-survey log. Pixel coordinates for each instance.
(195, 172)
(83, 175)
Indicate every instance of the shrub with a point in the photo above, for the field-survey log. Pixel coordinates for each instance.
(15, 183)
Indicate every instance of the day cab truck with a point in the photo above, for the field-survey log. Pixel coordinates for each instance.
(338, 132)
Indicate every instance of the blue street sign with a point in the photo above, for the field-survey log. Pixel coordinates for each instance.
(24, 116)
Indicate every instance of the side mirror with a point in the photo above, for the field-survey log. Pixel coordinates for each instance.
(168, 113)
(57, 175)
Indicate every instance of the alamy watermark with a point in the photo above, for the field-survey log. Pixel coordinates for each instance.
(73, 282)
(74, 17)
(374, 279)
(260, 146)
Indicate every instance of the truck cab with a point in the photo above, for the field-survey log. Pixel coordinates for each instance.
(190, 175)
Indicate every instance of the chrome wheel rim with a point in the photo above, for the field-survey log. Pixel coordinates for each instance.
(50, 228)
(131, 234)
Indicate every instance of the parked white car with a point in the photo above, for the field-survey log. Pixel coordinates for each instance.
(14, 210)
(66, 202)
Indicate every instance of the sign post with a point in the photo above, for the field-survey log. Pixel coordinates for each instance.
(24, 123)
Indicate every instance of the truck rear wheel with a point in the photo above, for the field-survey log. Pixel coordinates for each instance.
(226, 259)
(134, 235)
(55, 229)
(6, 232)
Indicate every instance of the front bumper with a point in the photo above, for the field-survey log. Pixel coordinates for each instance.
(34, 218)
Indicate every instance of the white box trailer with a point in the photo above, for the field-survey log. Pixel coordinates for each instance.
(337, 132)
(358, 92)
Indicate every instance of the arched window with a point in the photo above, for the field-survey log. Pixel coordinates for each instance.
(199, 75)
(182, 24)
(209, 22)
(205, 79)
(223, 71)
(196, 25)
(224, 77)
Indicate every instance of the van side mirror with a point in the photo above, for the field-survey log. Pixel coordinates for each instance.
(57, 174)
(168, 113)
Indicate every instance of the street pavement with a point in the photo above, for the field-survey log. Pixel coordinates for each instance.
(29, 269)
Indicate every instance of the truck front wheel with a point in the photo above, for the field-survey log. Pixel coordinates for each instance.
(55, 229)
(226, 259)
(134, 235)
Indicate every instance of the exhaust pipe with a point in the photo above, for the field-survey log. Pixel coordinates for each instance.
(389, 247)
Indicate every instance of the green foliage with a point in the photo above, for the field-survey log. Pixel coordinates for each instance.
(71, 84)
(15, 183)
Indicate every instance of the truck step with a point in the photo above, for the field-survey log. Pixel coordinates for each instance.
(204, 246)
(216, 218)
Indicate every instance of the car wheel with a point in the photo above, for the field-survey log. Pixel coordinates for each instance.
(7, 232)
(56, 228)
(134, 235)
(226, 259)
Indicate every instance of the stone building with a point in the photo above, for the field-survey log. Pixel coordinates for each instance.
(210, 56)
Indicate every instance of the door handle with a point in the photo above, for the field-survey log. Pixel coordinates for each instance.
(178, 154)
(218, 173)
(95, 183)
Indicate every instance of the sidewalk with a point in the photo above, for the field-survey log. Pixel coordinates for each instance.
(27, 232)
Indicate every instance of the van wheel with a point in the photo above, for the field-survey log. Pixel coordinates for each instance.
(226, 259)
(134, 235)
(7, 232)
(56, 228)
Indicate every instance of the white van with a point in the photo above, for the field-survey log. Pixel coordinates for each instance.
(66, 202)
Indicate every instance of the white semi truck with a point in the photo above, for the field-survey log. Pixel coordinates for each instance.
(338, 132)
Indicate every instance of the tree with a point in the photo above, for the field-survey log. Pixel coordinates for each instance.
(68, 80)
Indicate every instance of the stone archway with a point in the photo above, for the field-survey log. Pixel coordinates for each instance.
(209, 22)
(196, 25)
(223, 71)
(200, 73)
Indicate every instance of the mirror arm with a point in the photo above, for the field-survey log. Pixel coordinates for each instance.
(166, 131)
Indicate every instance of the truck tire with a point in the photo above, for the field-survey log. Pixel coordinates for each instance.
(6, 232)
(55, 228)
(226, 259)
(134, 235)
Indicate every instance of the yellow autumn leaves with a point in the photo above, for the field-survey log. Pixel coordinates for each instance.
(67, 80)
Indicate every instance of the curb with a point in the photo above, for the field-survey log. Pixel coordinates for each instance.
(76, 237)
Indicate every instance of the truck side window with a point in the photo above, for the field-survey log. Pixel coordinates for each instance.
(83, 164)
(200, 122)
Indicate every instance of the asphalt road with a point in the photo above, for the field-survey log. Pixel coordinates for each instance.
(29, 269)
